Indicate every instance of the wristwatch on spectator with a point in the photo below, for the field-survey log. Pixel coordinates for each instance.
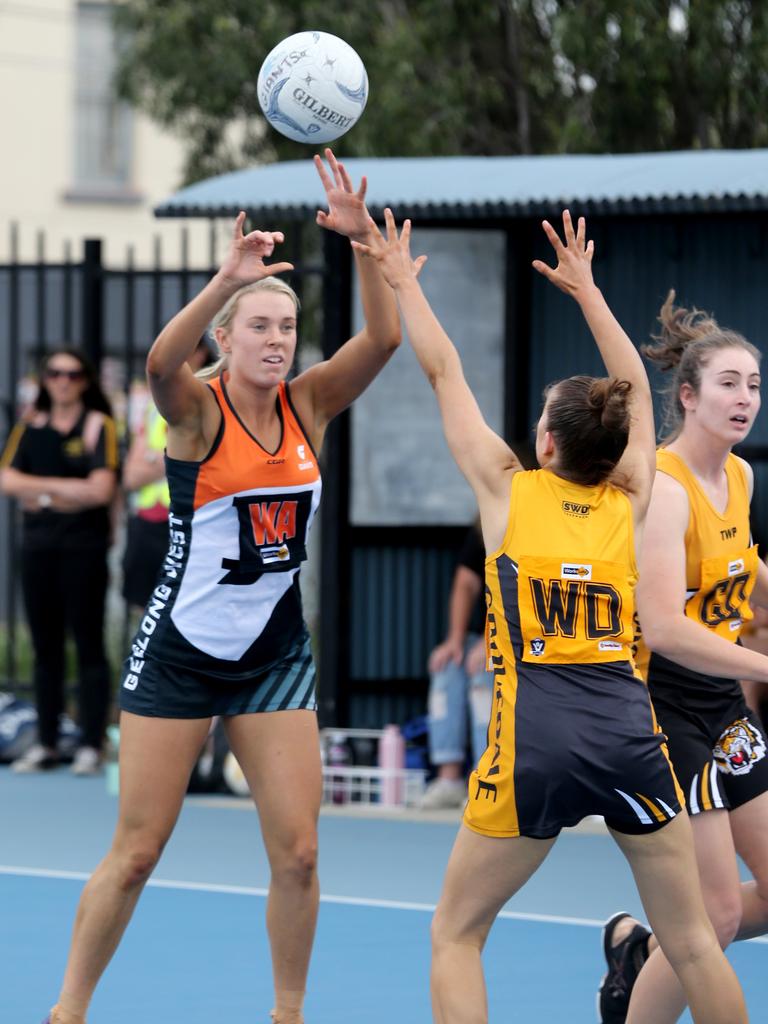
(44, 500)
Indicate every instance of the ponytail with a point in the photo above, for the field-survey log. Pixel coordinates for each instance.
(686, 340)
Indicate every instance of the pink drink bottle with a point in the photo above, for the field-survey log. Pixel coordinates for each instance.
(392, 762)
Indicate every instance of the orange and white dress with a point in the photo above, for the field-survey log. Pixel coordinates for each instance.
(227, 606)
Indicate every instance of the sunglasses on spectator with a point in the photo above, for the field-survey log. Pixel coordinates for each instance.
(52, 373)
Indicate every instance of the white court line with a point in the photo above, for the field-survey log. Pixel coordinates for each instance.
(243, 890)
(354, 901)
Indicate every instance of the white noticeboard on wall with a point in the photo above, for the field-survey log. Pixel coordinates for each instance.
(402, 472)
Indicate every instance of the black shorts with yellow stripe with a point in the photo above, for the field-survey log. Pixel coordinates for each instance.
(566, 742)
(163, 690)
(716, 743)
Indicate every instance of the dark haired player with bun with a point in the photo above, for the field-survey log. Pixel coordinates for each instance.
(572, 732)
(698, 572)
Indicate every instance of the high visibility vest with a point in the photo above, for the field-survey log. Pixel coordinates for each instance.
(155, 433)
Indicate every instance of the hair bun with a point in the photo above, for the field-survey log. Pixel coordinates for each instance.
(607, 399)
(590, 420)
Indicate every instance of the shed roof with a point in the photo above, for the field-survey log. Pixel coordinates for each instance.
(477, 187)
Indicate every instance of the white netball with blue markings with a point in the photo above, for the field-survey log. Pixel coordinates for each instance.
(312, 87)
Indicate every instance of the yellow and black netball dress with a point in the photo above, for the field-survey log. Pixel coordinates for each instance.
(223, 632)
(716, 744)
(572, 731)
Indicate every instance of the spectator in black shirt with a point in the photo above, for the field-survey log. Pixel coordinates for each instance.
(60, 463)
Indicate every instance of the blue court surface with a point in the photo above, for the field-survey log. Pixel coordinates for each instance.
(196, 951)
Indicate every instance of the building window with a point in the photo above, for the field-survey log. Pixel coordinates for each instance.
(408, 477)
(103, 123)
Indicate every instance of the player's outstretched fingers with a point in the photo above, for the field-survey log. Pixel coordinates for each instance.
(581, 233)
(568, 231)
(325, 177)
(553, 238)
(544, 269)
(364, 250)
(389, 220)
(277, 268)
(237, 227)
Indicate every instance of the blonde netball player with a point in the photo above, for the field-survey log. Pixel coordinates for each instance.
(223, 633)
(698, 571)
(572, 731)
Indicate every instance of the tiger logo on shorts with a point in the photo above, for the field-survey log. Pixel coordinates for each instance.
(739, 747)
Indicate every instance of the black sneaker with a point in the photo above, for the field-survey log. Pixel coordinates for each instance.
(624, 961)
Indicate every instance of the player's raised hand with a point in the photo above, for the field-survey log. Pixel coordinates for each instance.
(244, 263)
(393, 253)
(573, 272)
(347, 213)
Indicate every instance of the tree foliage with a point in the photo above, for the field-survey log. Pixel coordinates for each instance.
(461, 76)
(666, 75)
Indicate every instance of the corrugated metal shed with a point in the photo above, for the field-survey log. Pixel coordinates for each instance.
(489, 187)
(695, 221)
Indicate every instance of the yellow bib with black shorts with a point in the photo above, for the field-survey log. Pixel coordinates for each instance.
(716, 744)
(572, 731)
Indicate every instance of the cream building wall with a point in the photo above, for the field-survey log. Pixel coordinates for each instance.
(41, 46)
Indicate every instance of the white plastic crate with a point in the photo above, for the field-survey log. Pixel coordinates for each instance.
(368, 786)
